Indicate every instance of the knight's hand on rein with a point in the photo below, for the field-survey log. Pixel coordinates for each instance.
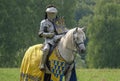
(57, 37)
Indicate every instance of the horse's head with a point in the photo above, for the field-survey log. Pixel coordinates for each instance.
(78, 38)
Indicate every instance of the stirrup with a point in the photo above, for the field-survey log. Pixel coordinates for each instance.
(42, 67)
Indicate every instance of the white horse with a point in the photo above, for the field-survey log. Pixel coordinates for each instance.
(71, 42)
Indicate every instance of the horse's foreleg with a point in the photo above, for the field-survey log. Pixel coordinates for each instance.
(68, 74)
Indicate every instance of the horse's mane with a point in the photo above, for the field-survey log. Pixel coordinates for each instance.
(67, 38)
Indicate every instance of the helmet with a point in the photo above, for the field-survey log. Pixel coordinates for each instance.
(51, 9)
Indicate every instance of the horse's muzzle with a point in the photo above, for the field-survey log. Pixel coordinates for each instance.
(82, 48)
(82, 51)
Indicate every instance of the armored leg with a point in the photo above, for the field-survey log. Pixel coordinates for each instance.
(44, 56)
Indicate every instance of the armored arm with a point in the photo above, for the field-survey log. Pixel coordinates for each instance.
(43, 32)
(58, 37)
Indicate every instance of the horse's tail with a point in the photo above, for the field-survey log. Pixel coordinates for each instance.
(30, 64)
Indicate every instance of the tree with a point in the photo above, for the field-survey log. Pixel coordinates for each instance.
(19, 26)
(103, 33)
(84, 8)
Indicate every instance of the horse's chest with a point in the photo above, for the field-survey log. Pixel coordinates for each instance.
(57, 67)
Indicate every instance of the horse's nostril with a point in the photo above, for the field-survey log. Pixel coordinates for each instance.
(82, 51)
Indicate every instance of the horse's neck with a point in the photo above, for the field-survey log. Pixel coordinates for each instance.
(66, 48)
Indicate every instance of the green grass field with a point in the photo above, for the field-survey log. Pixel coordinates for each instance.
(9, 74)
(12, 74)
(98, 75)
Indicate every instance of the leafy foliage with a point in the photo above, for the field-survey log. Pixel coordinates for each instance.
(19, 26)
(103, 32)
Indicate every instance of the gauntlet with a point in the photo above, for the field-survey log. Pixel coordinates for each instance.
(49, 35)
(57, 38)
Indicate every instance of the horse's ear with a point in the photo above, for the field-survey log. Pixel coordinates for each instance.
(83, 28)
(76, 29)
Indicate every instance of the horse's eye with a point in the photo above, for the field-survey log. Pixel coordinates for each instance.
(77, 38)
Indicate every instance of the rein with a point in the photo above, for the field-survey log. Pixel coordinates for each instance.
(76, 45)
(70, 49)
(58, 54)
(74, 49)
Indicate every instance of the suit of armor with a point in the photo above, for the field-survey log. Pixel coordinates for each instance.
(51, 31)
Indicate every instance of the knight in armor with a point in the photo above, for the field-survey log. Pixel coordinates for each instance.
(52, 29)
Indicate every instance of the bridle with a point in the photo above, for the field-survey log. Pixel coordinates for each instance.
(76, 44)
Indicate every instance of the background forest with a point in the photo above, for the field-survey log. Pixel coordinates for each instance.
(20, 21)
